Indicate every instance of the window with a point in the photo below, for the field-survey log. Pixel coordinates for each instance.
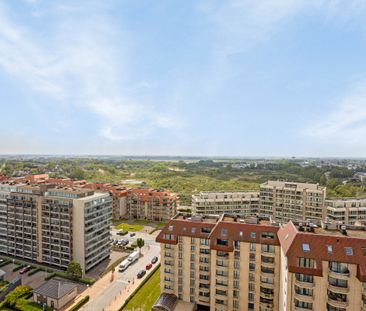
(170, 228)
(305, 247)
(306, 263)
(222, 242)
(224, 232)
(253, 235)
(349, 251)
(241, 234)
(268, 235)
(329, 249)
(193, 230)
(363, 251)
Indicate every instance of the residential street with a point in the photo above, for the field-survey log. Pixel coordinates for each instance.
(109, 296)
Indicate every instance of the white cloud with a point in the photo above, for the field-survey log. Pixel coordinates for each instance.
(81, 64)
(346, 122)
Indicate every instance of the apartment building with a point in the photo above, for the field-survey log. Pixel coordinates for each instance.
(54, 225)
(231, 263)
(119, 198)
(240, 203)
(322, 268)
(5, 190)
(220, 263)
(284, 201)
(151, 204)
(346, 210)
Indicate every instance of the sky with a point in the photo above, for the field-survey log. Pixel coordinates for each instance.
(205, 78)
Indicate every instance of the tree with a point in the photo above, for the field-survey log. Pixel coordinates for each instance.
(74, 270)
(140, 243)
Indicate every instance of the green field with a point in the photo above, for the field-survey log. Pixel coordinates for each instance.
(147, 295)
(130, 227)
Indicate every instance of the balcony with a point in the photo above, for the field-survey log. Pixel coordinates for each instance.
(266, 295)
(337, 303)
(342, 275)
(304, 284)
(267, 285)
(338, 289)
(266, 305)
(267, 264)
(304, 298)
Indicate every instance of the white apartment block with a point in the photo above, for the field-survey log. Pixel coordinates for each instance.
(240, 203)
(347, 210)
(54, 225)
(284, 201)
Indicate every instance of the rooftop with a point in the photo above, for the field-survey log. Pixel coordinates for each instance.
(292, 185)
(55, 288)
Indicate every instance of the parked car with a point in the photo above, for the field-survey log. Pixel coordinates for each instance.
(125, 242)
(148, 266)
(154, 260)
(124, 265)
(141, 274)
(132, 234)
(25, 269)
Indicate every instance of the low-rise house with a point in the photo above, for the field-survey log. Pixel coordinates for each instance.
(55, 293)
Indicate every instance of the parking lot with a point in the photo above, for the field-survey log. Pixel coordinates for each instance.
(34, 280)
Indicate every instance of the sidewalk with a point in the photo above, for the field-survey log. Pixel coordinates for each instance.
(124, 294)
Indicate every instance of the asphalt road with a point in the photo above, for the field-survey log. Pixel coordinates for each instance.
(120, 283)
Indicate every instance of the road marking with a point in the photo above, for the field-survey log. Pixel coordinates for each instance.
(122, 281)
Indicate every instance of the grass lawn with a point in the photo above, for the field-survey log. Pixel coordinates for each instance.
(130, 227)
(147, 295)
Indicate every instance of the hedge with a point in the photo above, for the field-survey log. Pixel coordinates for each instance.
(87, 281)
(34, 271)
(78, 305)
(5, 262)
(139, 287)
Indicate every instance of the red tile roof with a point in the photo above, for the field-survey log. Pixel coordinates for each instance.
(292, 244)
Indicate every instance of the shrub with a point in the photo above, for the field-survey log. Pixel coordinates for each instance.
(78, 305)
(5, 262)
(34, 271)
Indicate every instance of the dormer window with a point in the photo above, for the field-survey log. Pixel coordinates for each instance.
(305, 247)
(330, 249)
(349, 251)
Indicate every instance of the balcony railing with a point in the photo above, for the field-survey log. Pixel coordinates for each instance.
(338, 289)
(343, 275)
(337, 303)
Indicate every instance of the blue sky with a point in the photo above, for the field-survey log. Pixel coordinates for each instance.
(232, 78)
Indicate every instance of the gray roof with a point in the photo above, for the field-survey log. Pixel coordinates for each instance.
(55, 288)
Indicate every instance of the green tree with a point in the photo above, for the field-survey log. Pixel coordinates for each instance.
(74, 270)
(140, 243)
(77, 173)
